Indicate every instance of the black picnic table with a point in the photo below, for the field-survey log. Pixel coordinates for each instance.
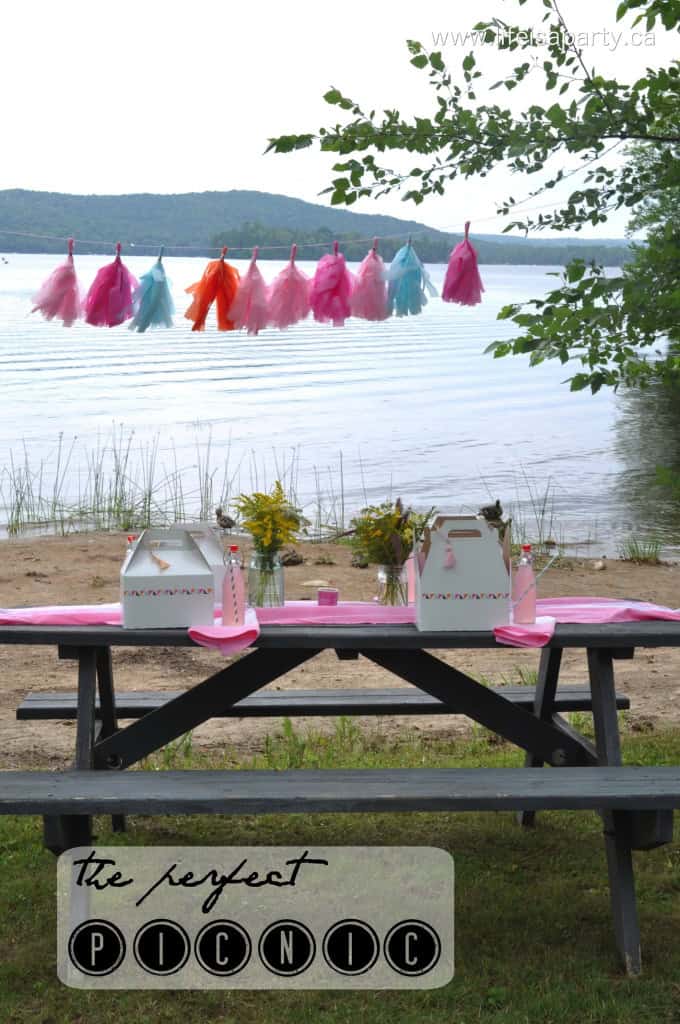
(636, 804)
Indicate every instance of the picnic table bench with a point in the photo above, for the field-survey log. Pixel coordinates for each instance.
(636, 803)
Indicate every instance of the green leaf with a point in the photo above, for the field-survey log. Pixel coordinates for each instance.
(499, 349)
(289, 143)
(420, 61)
(556, 115)
(468, 62)
(436, 61)
(575, 271)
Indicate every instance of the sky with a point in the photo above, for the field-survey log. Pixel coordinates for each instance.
(182, 97)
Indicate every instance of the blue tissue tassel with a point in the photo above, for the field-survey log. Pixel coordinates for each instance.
(408, 282)
(152, 302)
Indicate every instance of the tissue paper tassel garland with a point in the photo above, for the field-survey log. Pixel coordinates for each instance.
(331, 288)
(250, 308)
(289, 295)
(218, 284)
(152, 302)
(59, 296)
(369, 293)
(462, 283)
(109, 300)
(407, 283)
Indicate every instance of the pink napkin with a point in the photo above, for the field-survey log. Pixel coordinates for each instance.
(538, 634)
(227, 639)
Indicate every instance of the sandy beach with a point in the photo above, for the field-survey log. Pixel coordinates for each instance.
(84, 568)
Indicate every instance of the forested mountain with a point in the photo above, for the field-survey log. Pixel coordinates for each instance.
(240, 219)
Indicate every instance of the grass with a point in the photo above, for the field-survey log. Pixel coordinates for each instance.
(534, 938)
(521, 677)
(535, 522)
(641, 550)
(534, 517)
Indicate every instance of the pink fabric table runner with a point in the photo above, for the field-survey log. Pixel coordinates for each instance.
(231, 639)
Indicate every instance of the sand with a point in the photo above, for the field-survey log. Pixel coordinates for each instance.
(84, 568)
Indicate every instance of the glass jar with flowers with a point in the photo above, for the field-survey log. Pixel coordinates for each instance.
(273, 521)
(384, 534)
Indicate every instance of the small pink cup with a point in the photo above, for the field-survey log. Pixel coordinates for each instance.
(328, 596)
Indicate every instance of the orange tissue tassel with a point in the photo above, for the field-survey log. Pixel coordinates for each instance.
(218, 284)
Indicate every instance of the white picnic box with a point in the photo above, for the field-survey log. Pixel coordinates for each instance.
(166, 581)
(462, 571)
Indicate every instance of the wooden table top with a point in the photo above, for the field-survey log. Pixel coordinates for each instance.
(619, 635)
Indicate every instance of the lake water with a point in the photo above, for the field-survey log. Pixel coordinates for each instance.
(413, 404)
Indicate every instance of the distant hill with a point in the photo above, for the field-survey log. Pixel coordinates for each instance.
(243, 218)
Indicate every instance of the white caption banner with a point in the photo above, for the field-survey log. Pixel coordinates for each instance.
(276, 917)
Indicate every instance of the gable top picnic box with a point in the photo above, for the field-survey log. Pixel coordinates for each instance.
(167, 581)
(462, 570)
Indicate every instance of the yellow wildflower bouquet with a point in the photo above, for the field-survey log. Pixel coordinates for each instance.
(384, 533)
(271, 519)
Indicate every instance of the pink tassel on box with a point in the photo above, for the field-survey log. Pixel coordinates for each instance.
(462, 283)
(59, 296)
(250, 308)
(331, 289)
(369, 291)
(109, 300)
(289, 295)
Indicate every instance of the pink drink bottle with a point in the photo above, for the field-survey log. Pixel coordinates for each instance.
(524, 589)
(233, 591)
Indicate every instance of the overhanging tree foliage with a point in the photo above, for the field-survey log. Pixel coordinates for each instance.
(621, 329)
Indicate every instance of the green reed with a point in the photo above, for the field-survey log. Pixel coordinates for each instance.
(123, 483)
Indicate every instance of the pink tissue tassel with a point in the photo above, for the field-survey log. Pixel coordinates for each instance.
(109, 300)
(289, 295)
(331, 289)
(59, 295)
(369, 292)
(462, 283)
(250, 308)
